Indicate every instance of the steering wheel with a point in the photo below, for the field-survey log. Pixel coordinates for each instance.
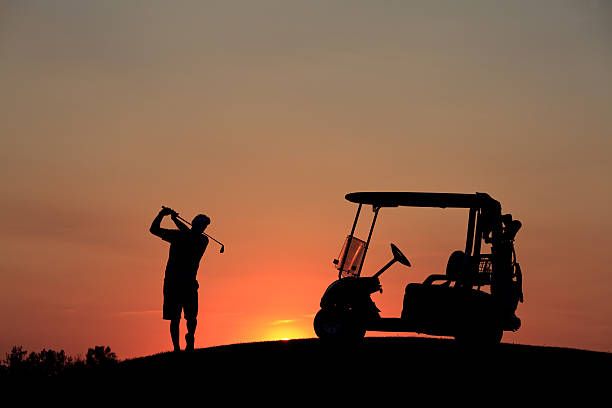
(398, 256)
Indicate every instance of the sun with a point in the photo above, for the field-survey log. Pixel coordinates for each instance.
(285, 333)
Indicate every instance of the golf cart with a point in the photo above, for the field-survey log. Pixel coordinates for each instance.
(474, 301)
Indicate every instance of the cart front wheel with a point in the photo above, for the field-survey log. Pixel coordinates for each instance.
(337, 325)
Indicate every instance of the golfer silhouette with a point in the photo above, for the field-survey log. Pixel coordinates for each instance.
(187, 245)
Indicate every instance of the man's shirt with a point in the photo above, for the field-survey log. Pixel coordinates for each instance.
(186, 250)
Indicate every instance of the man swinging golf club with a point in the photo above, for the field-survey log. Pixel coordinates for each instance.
(187, 245)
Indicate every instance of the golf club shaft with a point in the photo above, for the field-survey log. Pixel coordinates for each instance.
(188, 223)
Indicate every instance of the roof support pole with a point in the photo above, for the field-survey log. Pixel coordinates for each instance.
(478, 238)
(365, 251)
(348, 243)
(469, 242)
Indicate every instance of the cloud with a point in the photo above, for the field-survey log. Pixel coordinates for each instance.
(288, 321)
(138, 312)
(279, 322)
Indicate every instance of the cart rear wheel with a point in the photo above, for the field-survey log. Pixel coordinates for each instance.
(337, 325)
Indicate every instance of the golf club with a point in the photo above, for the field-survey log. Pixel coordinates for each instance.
(187, 222)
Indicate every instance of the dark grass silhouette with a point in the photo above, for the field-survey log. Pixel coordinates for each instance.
(379, 369)
(389, 365)
(19, 364)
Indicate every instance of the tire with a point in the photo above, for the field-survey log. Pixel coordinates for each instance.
(496, 335)
(479, 337)
(336, 325)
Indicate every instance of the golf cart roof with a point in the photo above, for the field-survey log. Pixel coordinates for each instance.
(412, 199)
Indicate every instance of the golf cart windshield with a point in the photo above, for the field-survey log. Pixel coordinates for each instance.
(350, 257)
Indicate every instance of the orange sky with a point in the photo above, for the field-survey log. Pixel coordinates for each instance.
(263, 115)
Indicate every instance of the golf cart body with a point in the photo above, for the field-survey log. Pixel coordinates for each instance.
(452, 304)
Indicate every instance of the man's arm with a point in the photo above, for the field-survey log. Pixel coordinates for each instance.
(156, 228)
(179, 224)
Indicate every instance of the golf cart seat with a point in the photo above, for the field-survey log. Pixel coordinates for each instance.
(454, 270)
(438, 309)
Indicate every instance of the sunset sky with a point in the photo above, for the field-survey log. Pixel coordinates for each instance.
(263, 115)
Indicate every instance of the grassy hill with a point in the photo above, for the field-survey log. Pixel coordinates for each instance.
(387, 365)
(380, 370)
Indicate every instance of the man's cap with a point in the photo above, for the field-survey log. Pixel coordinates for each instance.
(200, 220)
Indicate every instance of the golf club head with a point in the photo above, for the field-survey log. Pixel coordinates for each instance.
(222, 249)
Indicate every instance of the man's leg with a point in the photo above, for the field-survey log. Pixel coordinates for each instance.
(172, 312)
(191, 314)
(190, 336)
(174, 333)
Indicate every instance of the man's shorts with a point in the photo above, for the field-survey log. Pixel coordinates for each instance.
(177, 298)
